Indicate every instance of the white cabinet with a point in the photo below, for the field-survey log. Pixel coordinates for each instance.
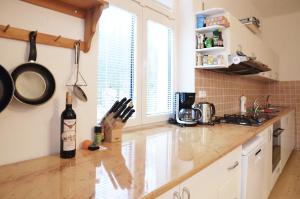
(237, 37)
(220, 180)
(174, 193)
(267, 134)
(241, 38)
(288, 137)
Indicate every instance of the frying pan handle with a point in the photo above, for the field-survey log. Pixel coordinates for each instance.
(32, 41)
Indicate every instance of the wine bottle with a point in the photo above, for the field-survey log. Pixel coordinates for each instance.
(68, 130)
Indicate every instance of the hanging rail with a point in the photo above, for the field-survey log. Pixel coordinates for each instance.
(9, 32)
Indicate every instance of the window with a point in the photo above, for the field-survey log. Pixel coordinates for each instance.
(117, 58)
(135, 61)
(158, 70)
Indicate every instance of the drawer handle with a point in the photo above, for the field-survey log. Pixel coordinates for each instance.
(176, 195)
(185, 190)
(234, 166)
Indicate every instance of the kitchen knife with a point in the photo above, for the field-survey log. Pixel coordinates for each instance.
(130, 106)
(127, 102)
(121, 109)
(128, 116)
(120, 104)
(110, 111)
(113, 107)
(117, 122)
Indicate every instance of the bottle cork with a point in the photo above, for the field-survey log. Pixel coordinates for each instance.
(68, 98)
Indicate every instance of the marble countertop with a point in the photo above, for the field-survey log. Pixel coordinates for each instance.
(146, 164)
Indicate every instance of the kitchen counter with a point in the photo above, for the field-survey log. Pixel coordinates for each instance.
(146, 164)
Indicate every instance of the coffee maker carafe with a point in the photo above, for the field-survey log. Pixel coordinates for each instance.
(184, 112)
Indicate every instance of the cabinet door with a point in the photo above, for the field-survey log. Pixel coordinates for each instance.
(292, 129)
(202, 185)
(267, 174)
(221, 180)
(230, 180)
(285, 140)
(174, 193)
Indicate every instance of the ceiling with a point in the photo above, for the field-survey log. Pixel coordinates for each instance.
(271, 8)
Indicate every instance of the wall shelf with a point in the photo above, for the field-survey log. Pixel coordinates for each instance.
(209, 28)
(89, 10)
(212, 49)
(210, 66)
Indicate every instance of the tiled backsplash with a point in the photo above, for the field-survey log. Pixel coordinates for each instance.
(225, 91)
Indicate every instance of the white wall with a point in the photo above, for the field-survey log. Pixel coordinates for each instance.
(28, 132)
(240, 9)
(282, 34)
(186, 46)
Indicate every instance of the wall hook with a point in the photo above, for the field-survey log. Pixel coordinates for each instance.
(57, 38)
(6, 28)
(76, 42)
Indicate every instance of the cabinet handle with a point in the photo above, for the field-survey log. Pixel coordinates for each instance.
(233, 166)
(186, 190)
(176, 195)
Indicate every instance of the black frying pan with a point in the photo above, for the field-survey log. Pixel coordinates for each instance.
(6, 88)
(34, 83)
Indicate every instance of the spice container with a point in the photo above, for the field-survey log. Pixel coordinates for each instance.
(98, 135)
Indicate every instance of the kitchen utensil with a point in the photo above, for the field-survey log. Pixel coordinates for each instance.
(121, 114)
(205, 111)
(115, 109)
(6, 88)
(128, 116)
(78, 92)
(243, 104)
(110, 111)
(34, 83)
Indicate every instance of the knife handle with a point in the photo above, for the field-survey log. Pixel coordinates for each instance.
(120, 104)
(127, 101)
(113, 107)
(122, 116)
(121, 109)
(128, 116)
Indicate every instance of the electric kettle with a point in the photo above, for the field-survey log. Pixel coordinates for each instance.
(204, 112)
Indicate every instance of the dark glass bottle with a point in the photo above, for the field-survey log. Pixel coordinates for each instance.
(68, 130)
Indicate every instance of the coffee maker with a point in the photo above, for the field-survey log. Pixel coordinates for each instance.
(184, 112)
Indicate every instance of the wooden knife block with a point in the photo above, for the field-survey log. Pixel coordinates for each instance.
(112, 134)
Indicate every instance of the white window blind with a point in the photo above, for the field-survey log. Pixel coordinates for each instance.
(159, 69)
(117, 58)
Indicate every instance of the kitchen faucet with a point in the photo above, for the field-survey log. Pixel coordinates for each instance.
(256, 106)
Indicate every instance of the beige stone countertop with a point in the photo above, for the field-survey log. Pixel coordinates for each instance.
(146, 164)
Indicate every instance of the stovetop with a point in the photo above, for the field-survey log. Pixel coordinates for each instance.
(246, 120)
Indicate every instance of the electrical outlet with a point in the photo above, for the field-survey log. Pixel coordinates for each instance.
(202, 94)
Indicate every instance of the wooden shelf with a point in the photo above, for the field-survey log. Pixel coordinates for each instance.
(212, 49)
(209, 28)
(89, 10)
(211, 12)
(210, 66)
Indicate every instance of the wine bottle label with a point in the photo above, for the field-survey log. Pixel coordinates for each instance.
(69, 135)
